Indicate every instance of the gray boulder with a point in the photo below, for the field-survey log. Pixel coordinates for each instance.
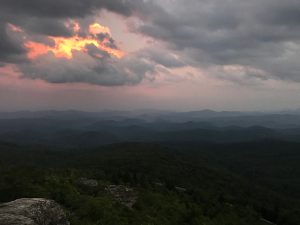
(92, 183)
(125, 195)
(32, 211)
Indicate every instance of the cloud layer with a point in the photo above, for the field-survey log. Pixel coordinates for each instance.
(241, 41)
(261, 34)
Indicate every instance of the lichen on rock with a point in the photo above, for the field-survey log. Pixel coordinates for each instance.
(32, 211)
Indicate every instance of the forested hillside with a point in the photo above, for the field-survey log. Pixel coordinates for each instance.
(237, 183)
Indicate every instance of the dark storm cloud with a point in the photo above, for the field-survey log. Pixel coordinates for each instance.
(161, 57)
(263, 34)
(104, 70)
(10, 49)
(285, 13)
(47, 17)
(95, 52)
(40, 19)
(100, 68)
(110, 41)
(64, 8)
(260, 37)
(45, 26)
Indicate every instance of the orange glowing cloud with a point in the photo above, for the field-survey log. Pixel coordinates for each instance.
(36, 49)
(64, 46)
(96, 28)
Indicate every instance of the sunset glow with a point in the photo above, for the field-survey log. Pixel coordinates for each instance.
(97, 28)
(172, 54)
(64, 46)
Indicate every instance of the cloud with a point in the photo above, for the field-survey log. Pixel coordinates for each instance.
(92, 57)
(85, 68)
(64, 8)
(46, 26)
(58, 42)
(257, 34)
(162, 57)
(48, 18)
(259, 38)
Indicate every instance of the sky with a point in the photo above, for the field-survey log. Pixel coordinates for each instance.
(179, 55)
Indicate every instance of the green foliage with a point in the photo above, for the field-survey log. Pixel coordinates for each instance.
(209, 193)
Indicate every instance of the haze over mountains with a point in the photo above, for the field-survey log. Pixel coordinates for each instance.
(185, 167)
(65, 129)
(168, 163)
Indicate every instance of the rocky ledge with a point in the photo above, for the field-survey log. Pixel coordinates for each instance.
(124, 195)
(32, 211)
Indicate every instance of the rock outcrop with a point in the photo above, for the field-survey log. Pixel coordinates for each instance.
(32, 211)
(124, 195)
(88, 182)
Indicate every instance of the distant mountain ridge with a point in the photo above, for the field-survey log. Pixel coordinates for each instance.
(68, 129)
(280, 119)
(135, 113)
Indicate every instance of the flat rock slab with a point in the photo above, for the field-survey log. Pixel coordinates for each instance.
(32, 211)
(88, 182)
(124, 195)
